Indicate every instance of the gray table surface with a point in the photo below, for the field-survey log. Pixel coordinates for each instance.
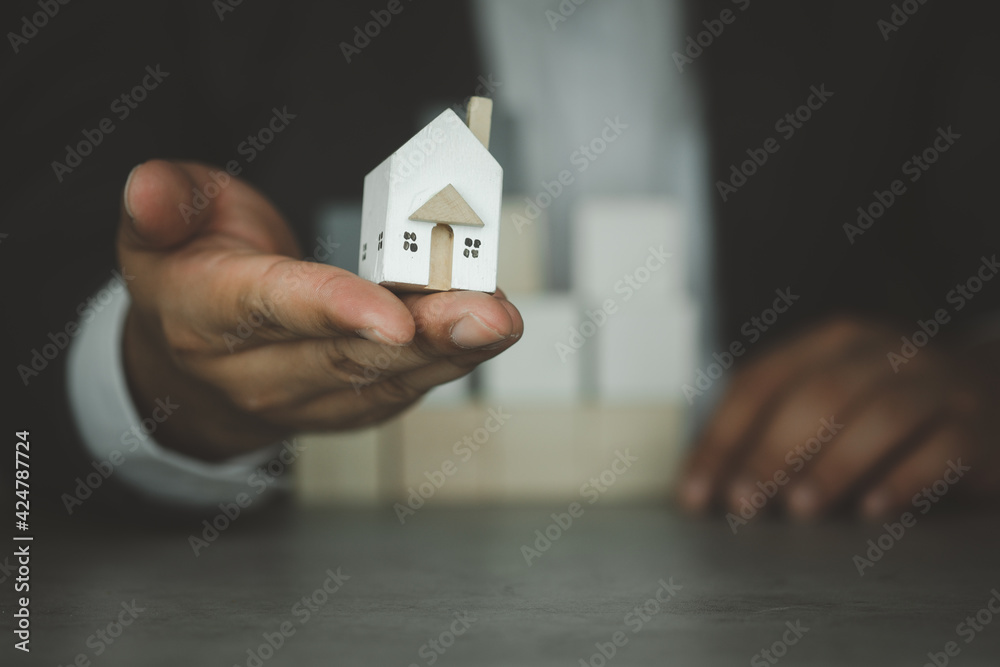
(408, 582)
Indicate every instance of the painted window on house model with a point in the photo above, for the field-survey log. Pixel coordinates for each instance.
(472, 248)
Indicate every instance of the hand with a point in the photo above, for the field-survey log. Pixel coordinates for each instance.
(826, 423)
(252, 343)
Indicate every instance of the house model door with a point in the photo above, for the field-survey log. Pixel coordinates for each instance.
(442, 253)
(445, 209)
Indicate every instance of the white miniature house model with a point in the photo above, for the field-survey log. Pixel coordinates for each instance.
(430, 219)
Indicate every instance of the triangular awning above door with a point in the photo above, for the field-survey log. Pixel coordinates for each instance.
(447, 207)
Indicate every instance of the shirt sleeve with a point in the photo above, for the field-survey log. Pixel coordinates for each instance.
(115, 435)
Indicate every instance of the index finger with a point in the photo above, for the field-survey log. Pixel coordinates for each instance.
(271, 298)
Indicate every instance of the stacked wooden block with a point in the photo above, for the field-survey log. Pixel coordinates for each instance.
(597, 374)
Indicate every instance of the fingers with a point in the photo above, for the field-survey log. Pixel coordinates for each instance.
(914, 484)
(310, 300)
(343, 393)
(892, 422)
(743, 408)
(339, 383)
(388, 394)
(293, 372)
(808, 415)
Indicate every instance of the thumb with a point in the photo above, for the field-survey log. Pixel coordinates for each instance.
(166, 203)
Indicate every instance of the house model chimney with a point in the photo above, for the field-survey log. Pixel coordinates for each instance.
(478, 116)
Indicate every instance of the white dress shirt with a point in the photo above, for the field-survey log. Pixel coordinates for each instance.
(116, 435)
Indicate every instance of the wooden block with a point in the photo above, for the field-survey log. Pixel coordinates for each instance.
(645, 352)
(532, 371)
(541, 459)
(521, 265)
(338, 236)
(618, 247)
(552, 455)
(340, 468)
(652, 434)
(538, 454)
(456, 392)
(434, 441)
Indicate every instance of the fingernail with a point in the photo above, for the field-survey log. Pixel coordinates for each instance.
(804, 501)
(471, 332)
(694, 492)
(128, 182)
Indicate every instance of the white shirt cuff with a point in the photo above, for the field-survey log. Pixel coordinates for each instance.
(119, 440)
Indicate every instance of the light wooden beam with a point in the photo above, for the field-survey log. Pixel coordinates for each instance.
(478, 116)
